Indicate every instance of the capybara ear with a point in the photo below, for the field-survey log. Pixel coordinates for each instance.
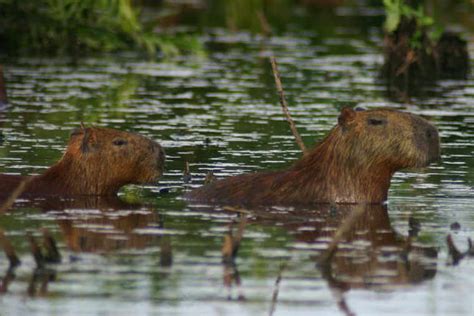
(78, 130)
(347, 115)
(88, 140)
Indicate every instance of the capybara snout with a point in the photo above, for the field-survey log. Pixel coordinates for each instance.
(427, 139)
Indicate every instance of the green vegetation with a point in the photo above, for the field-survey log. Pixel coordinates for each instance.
(81, 26)
(397, 10)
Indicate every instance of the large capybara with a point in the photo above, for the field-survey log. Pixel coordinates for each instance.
(97, 161)
(353, 164)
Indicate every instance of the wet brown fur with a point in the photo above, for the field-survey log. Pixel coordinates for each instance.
(353, 164)
(97, 161)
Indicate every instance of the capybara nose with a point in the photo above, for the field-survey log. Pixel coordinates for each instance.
(432, 136)
(160, 155)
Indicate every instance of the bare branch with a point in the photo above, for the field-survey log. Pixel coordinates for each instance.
(284, 105)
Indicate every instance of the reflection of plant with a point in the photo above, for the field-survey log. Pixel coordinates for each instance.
(396, 10)
(75, 26)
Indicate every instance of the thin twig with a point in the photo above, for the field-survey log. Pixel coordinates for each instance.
(345, 227)
(284, 105)
(35, 250)
(186, 173)
(264, 25)
(52, 254)
(276, 288)
(456, 255)
(324, 260)
(230, 248)
(166, 252)
(231, 243)
(235, 209)
(9, 250)
(15, 194)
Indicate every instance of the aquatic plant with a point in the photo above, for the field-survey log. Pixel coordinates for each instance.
(417, 51)
(78, 26)
(397, 10)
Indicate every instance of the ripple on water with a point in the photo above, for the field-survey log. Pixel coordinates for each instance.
(222, 115)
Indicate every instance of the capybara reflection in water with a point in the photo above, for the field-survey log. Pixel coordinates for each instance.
(97, 161)
(353, 164)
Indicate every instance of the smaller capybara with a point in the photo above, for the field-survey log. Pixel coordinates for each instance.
(353, 164)
(97, 161)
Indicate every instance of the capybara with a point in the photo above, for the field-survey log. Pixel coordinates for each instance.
(97, 161)
(353, 164)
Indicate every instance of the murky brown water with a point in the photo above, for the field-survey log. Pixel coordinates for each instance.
(220, 113)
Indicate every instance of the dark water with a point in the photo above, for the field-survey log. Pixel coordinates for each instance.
(220, 113)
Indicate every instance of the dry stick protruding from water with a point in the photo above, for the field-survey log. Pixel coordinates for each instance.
(344, 228)
(264, 25)
(457, 255)
(35, 250)
(276, 288)
(210, 177)
(186, 173)
(231, 243)
(166, 252)
(52, 254)
(324, 260)
(284, 105)
(9, 251)
(13, 262)
(230, 248)
(14, 195)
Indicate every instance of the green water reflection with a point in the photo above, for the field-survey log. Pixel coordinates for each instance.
(154, 254)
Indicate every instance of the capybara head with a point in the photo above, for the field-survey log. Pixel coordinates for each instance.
(108, 159)
(396, 139)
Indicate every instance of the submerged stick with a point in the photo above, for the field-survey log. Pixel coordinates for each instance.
(35, 250)
(186, 173)
(324, 260)
(3, 90)
(15, 194)
(276, 289)
(230, 248)
(231, 243)
(455, 253)
(344, 228)
(166, 252)
(264, 25)
(52, 253)
(284, 105)
(9, 251)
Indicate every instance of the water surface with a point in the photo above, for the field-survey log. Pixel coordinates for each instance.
(153, 254)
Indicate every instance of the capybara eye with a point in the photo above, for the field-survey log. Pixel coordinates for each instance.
(119, 142)
(372, 121)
